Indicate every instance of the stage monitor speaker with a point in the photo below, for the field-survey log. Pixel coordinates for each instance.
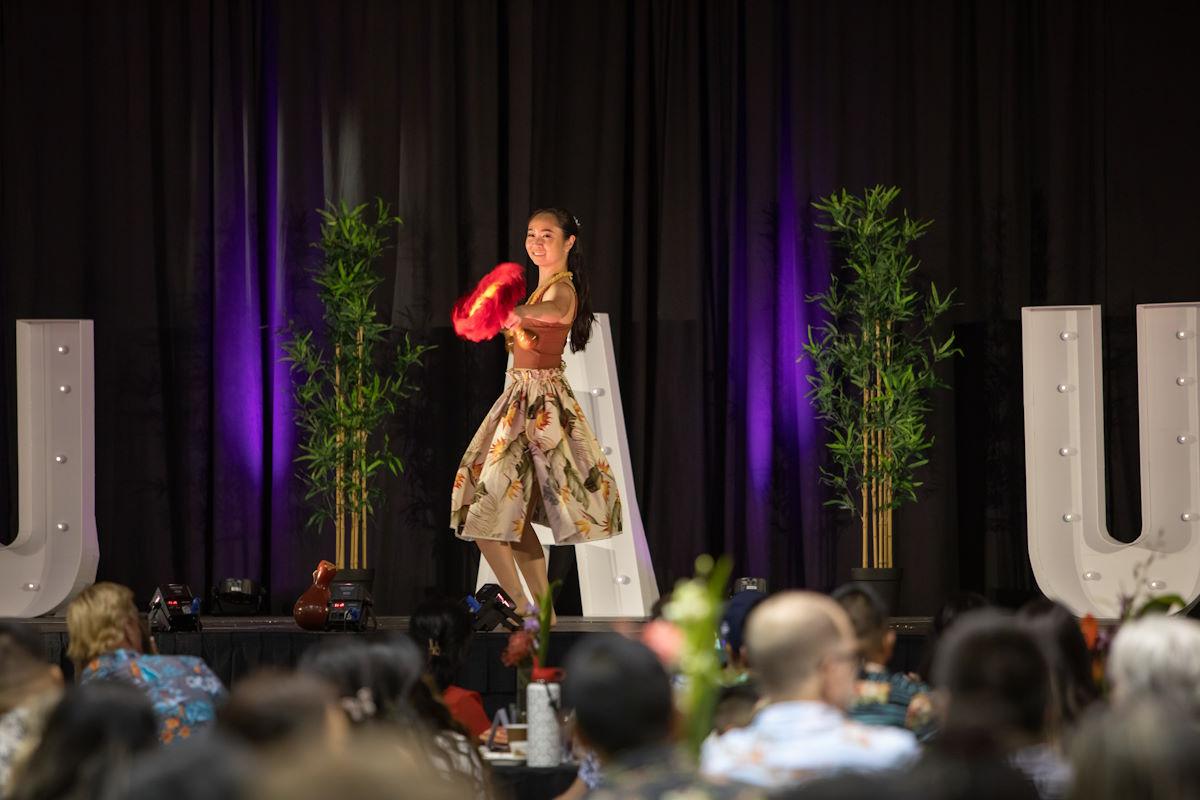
(174, 608)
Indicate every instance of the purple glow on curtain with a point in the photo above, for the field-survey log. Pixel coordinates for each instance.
(280, 532)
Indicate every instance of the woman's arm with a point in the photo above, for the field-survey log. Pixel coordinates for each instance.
(555, 306)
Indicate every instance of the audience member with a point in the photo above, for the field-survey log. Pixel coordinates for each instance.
(442, 629)
(882, 697)
(998, 696)
(105, 643)
(383, 766)
(733, 633)
(804, 653)
(29, 689)
(270, 709)
(1146, 750)
(1070, 661)
(623, 713)
(369, 679)
(736, 706)
(1157, 656)
(94, 732)
(202, 768)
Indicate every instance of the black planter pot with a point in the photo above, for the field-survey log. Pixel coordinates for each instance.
(884, 582)
(363, 576)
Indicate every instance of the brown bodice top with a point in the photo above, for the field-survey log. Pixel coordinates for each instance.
(547, 351)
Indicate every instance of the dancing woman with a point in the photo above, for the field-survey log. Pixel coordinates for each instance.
(535, 458)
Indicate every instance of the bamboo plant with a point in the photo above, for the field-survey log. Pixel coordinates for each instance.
(874, 362)
(343, 398)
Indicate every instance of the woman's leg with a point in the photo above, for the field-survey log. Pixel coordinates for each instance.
(530, 557)
(499, 556)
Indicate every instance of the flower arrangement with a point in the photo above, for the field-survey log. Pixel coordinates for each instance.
(695, 610)
(529, 647)
(1141, 603)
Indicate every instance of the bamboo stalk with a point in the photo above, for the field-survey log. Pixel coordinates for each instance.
(863, 486)
(339, 517)
(362, 455)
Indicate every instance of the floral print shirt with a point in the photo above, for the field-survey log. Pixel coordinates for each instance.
(183, 690)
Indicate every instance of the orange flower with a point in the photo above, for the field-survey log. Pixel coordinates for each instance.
(519, 525)
(543, 418)
(172, 723)
(476, 470)
(514, 490)
(564, 493)
(498, 448)
(510, 415)
(459, 480)
(584, 527)
(1090, 630)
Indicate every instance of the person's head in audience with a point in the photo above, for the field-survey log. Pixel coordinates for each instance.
(1146, 750)
(95, 730)
(383, 766)
(396, 666)
(1156, 655)
(955, 607)
(24, 671)
(101, 619)
(802, 648)
(346, 664)
(995, 682)
(621, 695)
(442, 630)
(733, 627)
(271, 708)
(1070, 660)
(849, 786)
(736, 705)
(869, 616)
(204, 768)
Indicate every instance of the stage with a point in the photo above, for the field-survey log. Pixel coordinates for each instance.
(235, 647)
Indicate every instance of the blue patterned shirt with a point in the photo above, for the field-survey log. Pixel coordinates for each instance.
(182, 689)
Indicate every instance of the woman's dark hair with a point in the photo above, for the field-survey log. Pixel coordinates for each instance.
(271, 708)
(442, 629)
(397, 665)
(998, 681)
(93, 732)
(200, 768)
(581, 328)
(1057, 630)
(345, 664)
(620, 692)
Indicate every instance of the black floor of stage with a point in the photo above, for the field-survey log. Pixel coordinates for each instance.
(235, 647)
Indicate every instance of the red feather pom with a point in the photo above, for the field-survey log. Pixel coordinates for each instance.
(480, 315)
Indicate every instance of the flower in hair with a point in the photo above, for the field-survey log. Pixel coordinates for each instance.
(361, 707)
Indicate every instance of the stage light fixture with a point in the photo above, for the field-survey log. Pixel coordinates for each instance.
(491, 606)
(750, 584)
(174, 608)
(351, 607)
(237, 597)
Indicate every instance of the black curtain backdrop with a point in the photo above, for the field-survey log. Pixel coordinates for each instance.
(161, 163)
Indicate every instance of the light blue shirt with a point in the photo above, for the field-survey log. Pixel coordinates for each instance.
(788, 743)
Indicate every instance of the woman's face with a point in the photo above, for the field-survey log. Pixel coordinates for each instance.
(545, 243)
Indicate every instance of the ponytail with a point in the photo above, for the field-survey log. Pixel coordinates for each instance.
(581, 327)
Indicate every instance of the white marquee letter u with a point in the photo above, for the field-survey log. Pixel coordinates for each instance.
(1075, 559)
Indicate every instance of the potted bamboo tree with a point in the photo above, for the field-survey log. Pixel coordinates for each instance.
(346, 389)
(874, 362)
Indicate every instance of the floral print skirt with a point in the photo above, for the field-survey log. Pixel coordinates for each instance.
(535, 453)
